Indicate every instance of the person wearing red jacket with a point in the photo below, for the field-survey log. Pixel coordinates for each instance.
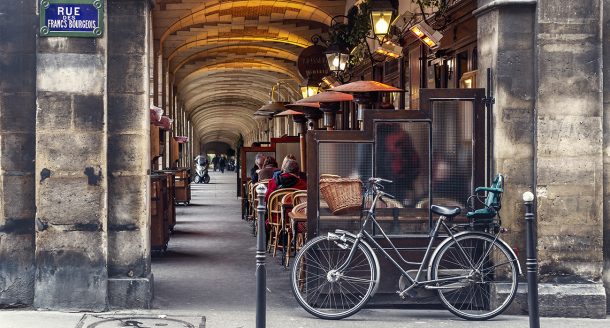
(290, 177)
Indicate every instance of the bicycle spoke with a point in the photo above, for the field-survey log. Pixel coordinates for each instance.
(483, 258)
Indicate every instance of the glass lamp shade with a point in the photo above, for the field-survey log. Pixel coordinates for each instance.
(337, 61)
(381, 21)
(309, 90)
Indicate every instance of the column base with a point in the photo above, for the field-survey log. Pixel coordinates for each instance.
(577, 300)
(130, 293)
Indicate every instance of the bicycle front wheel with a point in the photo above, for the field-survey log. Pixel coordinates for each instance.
(478, 276)
(325, 289)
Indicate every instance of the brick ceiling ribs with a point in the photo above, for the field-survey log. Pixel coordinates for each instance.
(225, 56)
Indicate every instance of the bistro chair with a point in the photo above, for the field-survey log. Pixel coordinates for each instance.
(248, 200)
(274, 217)
(298, 223)
(298, 197)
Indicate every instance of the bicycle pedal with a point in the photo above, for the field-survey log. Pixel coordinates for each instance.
(412, 293)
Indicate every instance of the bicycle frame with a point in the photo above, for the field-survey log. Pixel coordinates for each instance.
(414, 282)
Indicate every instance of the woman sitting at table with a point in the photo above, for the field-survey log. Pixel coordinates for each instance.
(289, 178)
(269, 167)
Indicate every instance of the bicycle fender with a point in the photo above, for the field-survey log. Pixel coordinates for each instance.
(510, 250)
(370, 249)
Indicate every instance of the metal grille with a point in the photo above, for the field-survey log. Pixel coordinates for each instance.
(402, 154)
(452, 145)
(353, 160)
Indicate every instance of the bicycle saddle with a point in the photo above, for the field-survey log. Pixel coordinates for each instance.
(448, 211)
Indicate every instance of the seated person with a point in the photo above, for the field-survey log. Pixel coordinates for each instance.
(258, 164)
(288, 157)
(268, 169)
(289, 178)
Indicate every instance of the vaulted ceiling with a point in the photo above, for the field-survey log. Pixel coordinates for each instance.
(225, 56)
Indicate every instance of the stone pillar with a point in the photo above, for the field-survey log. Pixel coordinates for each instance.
(506, 45)
(92, 230)
(606, 111)
(72, 174)
(569, 155)
(18, 25)
(130, 281)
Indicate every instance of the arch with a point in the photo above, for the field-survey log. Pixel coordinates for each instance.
(225, 12)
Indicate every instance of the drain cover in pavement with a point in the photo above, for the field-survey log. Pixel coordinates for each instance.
(139, 321)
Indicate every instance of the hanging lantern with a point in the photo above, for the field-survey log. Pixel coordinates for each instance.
(382, 16)
(337, 57)
(309, 88)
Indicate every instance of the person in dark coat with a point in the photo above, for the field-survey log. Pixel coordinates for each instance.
(259, 160)
(215, 161)
(222, 162)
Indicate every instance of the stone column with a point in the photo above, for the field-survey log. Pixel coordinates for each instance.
(130, 281)
(92, 230)
(506, 45)
(606, 110)
(72, 174)
(569, 155)
(18, 25)
(546, 63)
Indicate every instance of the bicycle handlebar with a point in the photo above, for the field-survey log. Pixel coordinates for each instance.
(377, 180)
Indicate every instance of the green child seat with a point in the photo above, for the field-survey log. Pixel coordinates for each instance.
(491, 204)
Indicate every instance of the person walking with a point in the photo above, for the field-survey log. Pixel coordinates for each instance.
(222, 162)
(215, 162)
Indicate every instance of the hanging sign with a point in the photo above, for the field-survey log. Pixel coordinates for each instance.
(312, 63)
(75, 18)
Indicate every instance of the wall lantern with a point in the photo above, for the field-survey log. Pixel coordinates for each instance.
(382, 17)
(338, 58)
(426, 34)
(309, 88)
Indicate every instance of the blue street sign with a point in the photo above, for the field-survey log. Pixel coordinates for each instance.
(80, 18)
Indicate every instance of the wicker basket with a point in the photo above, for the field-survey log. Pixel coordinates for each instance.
(343, 195)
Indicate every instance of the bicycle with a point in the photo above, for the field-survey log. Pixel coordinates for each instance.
(335, 275)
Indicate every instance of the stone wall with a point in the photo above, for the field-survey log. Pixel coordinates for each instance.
(18, 25)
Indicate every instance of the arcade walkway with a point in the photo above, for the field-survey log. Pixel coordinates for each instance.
(209, 269)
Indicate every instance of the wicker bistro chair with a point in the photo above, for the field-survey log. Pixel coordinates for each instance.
(298, 197)
(274, 217)
(248, 215)
(298, 223)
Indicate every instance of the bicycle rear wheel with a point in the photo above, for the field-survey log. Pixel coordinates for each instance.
(323, 290)
(480, 276)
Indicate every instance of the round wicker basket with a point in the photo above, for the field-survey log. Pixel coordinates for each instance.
(343, 195)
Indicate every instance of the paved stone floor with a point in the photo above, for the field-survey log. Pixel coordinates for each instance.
(208, 271)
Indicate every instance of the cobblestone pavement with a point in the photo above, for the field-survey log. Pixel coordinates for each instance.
(208, 270)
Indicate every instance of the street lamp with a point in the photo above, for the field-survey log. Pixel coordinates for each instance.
(382, 16)
(338, 58)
